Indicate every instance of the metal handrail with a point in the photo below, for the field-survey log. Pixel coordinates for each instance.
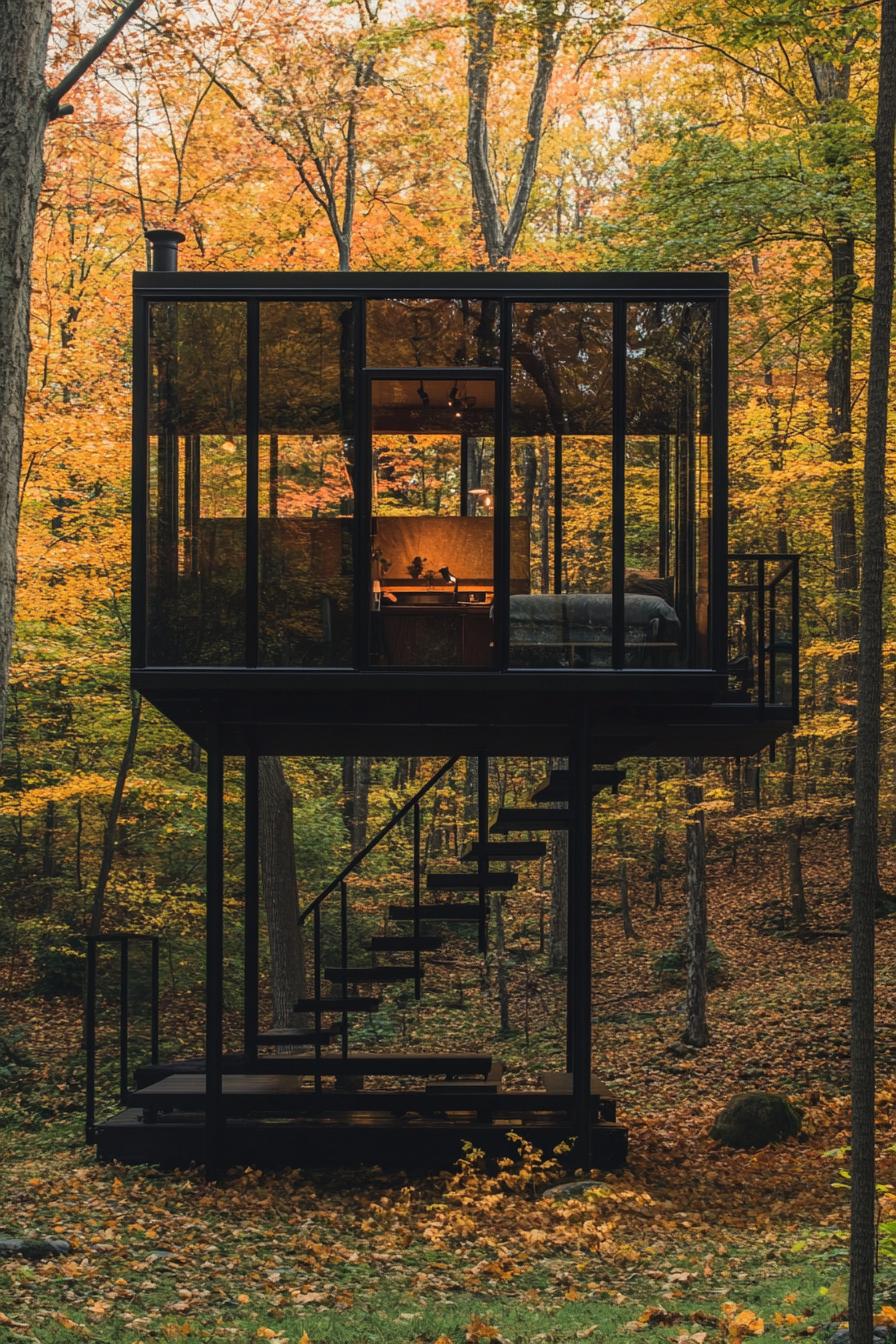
(123, 940)
(380, 835)
(765, 589)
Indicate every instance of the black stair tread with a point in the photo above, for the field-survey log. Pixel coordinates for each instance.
(531, 819)
(456, 910)
(421, 1064)
(404, 942)
(557, 786)
(507, 849)
(296, 1036)
(470, 881)
(338, 1003)
(356, 975)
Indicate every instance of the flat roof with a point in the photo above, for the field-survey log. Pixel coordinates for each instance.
(435, 284)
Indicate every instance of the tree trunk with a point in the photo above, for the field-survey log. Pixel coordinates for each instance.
(110, 830)
(277, 859)
(696, 935)
(628, 927)
(356, 798)
(796, 890)
(865, 877)
(24, 29)
(501, 235)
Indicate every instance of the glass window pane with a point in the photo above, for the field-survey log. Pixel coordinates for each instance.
(432, 543)
(561, 485)
(197, 484)
(432, 333)
(306, 493)
(668, 482)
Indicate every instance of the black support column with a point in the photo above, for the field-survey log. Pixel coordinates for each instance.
(580, 936)
(250, 915)
(214, 956)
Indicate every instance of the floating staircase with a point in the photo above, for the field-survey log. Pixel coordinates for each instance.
(541, 815)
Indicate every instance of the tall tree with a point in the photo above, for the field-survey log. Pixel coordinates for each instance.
(549, 19)
(277, 860)
(26, 107)
(696, 934)
(865, 877)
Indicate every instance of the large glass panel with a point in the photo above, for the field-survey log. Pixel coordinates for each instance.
(561, 485)
(432, 333)
(668, 484)
(306, 494)
(432, 542)
(197, 484)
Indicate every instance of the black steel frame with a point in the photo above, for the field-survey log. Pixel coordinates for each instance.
(507, 288)
(122, 941)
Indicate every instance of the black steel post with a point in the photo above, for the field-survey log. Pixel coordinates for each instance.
(154, 1002)
(253, 342)
(558, 513)
(318, 1083)
(90, 1046)
(417, 967)
(795, 638)
(482, 865)
(620, 337)
(123, 1081)
(760, 621)
(250, 915)
(214, 955)
(343, 944)
(580, 921)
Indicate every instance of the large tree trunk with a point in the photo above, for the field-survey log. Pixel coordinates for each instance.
(796, 889)
(696, 935)
(277, 857)
(501, 235)
(832, 90)
(24, 29)
(110, 830)
(865, 878)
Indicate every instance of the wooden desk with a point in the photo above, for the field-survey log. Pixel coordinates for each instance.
(453, 635)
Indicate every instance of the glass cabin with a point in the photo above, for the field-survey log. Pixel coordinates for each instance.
(456, 472)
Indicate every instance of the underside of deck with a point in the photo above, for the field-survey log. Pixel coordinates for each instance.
(637, 713)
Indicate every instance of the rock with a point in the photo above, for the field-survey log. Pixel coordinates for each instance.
(882, 1334)
(572, 1190)
(34, 1249)
(755, 1119)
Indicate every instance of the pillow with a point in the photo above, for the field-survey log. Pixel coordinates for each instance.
(651, 584)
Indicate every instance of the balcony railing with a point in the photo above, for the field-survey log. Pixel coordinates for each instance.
(763, 630)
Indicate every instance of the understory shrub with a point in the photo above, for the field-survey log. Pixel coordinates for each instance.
(670, 966)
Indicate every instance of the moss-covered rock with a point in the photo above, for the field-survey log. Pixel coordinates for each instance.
(756, 1119)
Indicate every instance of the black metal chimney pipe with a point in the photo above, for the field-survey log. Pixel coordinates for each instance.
(164, 244)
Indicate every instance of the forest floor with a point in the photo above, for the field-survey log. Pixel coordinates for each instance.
(692, 1243)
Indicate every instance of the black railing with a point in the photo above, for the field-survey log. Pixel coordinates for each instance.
(340, 882)
(763, 630)
(123, 941)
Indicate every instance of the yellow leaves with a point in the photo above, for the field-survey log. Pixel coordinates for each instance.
(68, 1324)
(740, 1322)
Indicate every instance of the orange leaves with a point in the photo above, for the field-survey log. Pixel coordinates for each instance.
(479, 1332)
(741, 1322)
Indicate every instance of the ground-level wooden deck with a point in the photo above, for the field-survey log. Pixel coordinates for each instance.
(282, 1119)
